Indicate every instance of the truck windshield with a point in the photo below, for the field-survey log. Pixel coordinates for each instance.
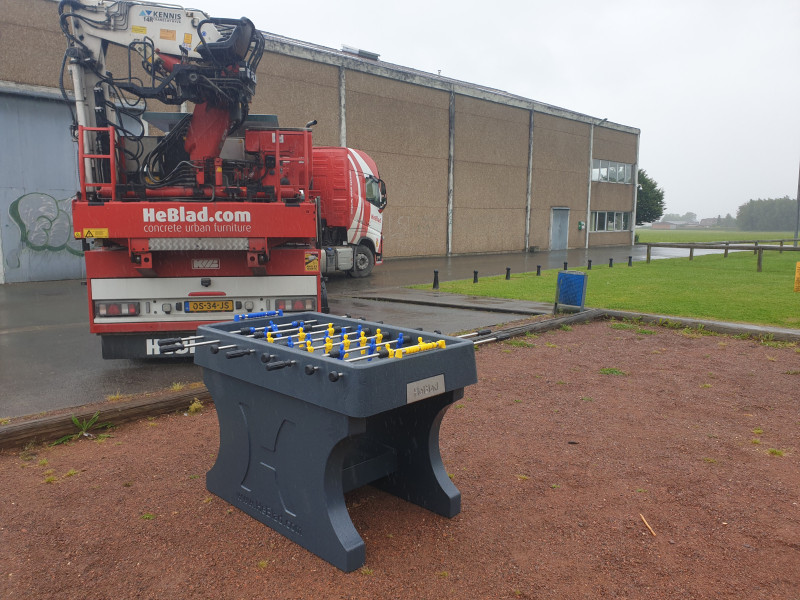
(375, 195)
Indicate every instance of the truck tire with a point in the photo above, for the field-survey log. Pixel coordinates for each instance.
(363, 261)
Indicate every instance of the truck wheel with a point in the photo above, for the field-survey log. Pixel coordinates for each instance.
(363, 261)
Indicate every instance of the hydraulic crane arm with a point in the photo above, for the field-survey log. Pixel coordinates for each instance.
(174, 55)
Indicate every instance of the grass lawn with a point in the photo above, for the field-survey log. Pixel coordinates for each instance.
(680, 236)
(708, 287)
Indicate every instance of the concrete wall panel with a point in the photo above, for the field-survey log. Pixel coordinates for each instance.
(612, 196)
(299, 91)
(560, 176)
(490, 176)
(614, 145)
(404, 127)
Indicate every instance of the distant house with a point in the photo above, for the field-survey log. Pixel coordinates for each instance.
(712, 222)
(665, 225)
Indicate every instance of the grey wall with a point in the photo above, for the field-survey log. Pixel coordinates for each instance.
(38, 176)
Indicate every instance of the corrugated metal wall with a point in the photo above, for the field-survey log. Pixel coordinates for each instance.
(37, 179)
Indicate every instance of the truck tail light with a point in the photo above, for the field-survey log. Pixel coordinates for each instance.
(116, 309)
(295, 304)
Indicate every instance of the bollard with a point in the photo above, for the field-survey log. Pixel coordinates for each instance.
(508, 273)
(565, 266)
(589, 265)
(474, 277)
(435, 279)
(610, 262)
(538, 270)
(630, 261)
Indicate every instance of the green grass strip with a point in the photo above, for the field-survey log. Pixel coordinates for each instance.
(708, 287)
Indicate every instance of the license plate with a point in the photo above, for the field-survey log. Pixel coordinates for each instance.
(193, 306)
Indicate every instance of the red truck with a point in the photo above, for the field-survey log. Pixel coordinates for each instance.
(222, 214)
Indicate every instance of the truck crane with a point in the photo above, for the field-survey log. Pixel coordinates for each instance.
(201, 211)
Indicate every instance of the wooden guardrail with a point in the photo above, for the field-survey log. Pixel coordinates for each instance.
(757, 246)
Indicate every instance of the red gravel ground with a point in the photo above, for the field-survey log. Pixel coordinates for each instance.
(569, 442)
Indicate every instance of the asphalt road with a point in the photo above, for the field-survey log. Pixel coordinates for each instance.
(50, 361)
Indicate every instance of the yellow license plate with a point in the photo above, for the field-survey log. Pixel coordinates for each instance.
(208, 306)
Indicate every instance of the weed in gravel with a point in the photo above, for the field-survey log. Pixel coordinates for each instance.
(771, 342)
(709, 460)
(519, 343)
(758, 431)
(69, 473)
(262, 564)
(444, 574)
(550, 345)
(4, 421)
(775, 452)
(565, 327)
(643, 331)
(148, 516)
(83, 427)
(523, 477)
(792, 372)
(621, 325)
(50, 479)
(755, 441)
(366, 571)
(611, 371)
(705, 385)
(177, 386)
(114, 397)
(195, 407)
(587, 399)
(771, 358)
(43, 462)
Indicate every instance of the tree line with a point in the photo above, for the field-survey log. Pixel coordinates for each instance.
(770, 214)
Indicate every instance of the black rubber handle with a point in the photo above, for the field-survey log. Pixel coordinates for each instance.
(334, 375)
(237, 353)
(171, 348)
(169, 341)
(280, 364)
(311, 369)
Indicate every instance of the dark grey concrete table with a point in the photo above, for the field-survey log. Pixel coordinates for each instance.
(299, 428)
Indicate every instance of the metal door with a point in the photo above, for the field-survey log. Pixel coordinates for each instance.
(559, 228)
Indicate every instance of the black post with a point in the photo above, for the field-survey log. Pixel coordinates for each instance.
(474, 277)
(610, 262)
(538, 270)
(565, 266)
(508, 273)
(435, 279)
(589, 266)
(630, 261)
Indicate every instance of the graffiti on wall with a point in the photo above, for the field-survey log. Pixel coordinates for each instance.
(45, 225)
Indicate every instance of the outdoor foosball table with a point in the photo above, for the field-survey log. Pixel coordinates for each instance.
(312, 406)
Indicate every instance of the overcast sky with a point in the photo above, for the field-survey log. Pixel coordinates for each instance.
(714, 85)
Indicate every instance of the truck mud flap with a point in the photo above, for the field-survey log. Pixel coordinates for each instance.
(142, 346)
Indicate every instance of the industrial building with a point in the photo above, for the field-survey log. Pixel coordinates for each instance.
(469, 169)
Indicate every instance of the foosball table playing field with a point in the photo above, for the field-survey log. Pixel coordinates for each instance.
(312, 406)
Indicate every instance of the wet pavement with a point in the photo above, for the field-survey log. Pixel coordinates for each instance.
(50, 361)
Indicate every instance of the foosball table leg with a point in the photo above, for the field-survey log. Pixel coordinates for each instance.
(420, 477)
(281, 461)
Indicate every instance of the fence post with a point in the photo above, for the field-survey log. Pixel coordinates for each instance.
(648, 253)
(691, 253)
(755, 246)
(760, 258)
(726, 250)
(781, 250)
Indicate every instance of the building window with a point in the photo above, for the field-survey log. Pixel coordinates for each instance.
(612, 172)
(602, 220)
